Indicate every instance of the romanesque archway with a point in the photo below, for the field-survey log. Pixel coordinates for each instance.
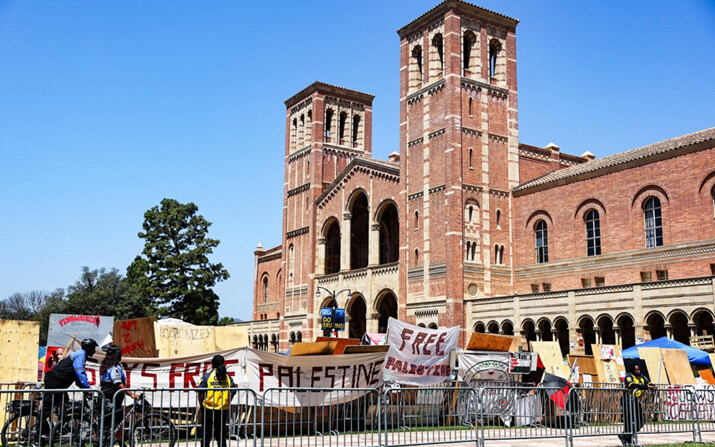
(628, 331)
(386, 308)
(585, 324)
(359, 223)
(356, 312)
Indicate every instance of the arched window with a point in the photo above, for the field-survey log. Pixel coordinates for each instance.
(417, 219)
(356, 129)
(299, 337)
(471, 211)
(341, 127)
(653, 223)
(593, 233)
(542, 242)
(417, 57)
(328, 123)
(467, 44)
(469, 109)
(498, 219)
(265, 289)
(712, 193)
(301, 132)
(494, 49)
(438, 46)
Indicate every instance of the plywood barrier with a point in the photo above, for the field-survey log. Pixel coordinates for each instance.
(678, 367)
(136, 337)
(490, 342)
(183, 340)
(654, 361)
(586, 365)
(19, 343)
(608, 368)
(551, 357)
(342, 343)
(313, 348)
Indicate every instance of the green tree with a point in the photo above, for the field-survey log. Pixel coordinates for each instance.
(174, 268)
(102, 292)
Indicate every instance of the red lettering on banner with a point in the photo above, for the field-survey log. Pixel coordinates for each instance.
(389, 361)
(430, 339)
(442, 338)
(330, 376)
(79, 318)
(264, 370)
(285, 371)
(190, 371)
(128, 370)
(362, 370)
(228, 363)
(405, 335)
(173, 373)
(418, 340)
(148, 374)
(313, 379)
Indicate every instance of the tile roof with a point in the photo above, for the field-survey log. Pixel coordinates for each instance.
(607, 164)
(448, 4)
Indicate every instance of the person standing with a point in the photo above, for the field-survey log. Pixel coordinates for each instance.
(112, 380)
(68, 371)
(633, 418)
(215, 402)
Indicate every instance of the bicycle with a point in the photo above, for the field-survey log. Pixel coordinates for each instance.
(145, 426)
(19, 429)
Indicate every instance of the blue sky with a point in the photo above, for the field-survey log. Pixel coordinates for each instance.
(108, 107)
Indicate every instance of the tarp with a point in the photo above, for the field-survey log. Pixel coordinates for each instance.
(374, 339)
(695, 356)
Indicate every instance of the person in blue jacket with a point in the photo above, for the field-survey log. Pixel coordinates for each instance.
(68, 371)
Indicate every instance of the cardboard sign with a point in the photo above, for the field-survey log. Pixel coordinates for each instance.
(135, 337)
(417, 355)
(63, 326)
(53, 355)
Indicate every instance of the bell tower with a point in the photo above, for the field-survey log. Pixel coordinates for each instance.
(459, 146)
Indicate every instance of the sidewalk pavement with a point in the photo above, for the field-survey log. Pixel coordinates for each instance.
(594, 441)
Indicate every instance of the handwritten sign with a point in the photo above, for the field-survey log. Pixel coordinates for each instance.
(135, 337)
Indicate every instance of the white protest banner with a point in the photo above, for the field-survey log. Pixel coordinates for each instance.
(493, 366)
(63, 326)
(417, 355)
(332, 373)
(256, 370)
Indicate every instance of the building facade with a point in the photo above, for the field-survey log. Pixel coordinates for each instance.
(468, 227)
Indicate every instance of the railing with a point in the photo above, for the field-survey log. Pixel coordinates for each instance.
(477, 413)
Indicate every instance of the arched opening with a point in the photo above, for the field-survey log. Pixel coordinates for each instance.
(291, 338)
(493, 328)
(587, 333)
(359, 233)
(437, 44)
(299, 336)
(432, 326)
(593, 233)
(328, 124)
(332, 248)
(480, 328)
(679, 327)
(357, 311)
(544, 327)
(542, 242)
(421, 325)
(656, 325)
(529, 330)
(507, 328)
(468, 41)
(703, 320)
(628, 331)
(608, 335)
(494, 49)
(386, 308)
(562, 335)
(417, 64)
(389, 235)
(356, 129)
(341, 127)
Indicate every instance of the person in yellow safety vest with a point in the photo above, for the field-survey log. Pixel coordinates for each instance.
(215, 403)
(633, 419)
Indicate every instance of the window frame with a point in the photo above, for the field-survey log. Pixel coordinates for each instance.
(592, 220)
(653, 222)
(541, 233)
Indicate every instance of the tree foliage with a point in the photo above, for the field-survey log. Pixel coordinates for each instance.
(174, 267)
(102, 292)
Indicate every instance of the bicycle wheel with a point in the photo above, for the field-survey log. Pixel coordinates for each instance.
(75, 431)
(17, 430)
(153, 429)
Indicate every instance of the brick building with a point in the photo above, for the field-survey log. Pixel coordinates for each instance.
(468, 227)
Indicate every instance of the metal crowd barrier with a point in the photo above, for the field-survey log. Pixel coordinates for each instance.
(320, 417)
(51, 417)
(430, 415)
(391, 417)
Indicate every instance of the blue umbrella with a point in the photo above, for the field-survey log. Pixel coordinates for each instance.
(695, 356)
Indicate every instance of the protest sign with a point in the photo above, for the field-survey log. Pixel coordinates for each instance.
(256, 370)
(417, 355)
(62, 327)
(135, 337)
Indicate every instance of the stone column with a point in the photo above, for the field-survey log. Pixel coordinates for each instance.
(597, 332)
(374, 245)
(617, 332)
(668, 330)
(538, 334)
(345, 242)
(320, 270)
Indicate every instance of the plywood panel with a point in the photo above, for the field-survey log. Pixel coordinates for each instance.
(712, 360)
(230, 337)
(136, 337)
(586, 363)
(313, 348)
(678, 367)
(550, 353)
(608, 371)
(19, 343)
(489, 342)
(342, 343)
(361, 349)
(178, 341)
(653, 359)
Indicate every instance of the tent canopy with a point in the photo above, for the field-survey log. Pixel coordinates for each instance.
(695, 356)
